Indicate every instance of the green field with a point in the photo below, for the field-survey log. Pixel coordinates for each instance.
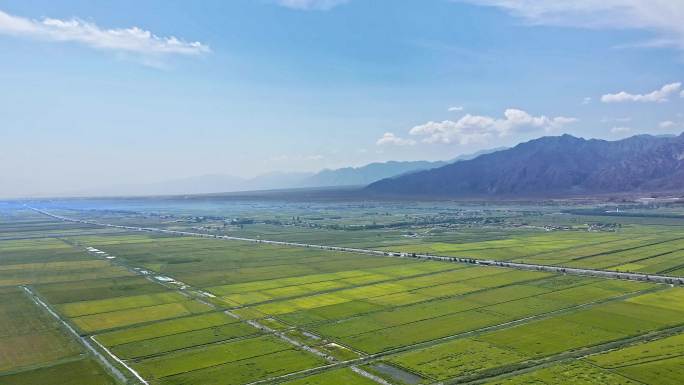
(340, 376)
(28, 336)
(230, 312)
(79, 372)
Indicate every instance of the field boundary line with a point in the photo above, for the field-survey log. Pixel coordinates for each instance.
(613, 372)
(44, 365)
(581, 353)
(425, 344)
(659, 242)
(117, 373)
(369, 375)
(354, 286)
(120, 361)
(611, 274)
(504, 325)
(471, 309)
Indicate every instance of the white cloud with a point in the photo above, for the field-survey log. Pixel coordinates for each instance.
(663, 17)
(666, 124)
(658, 96)
(455, 108)
(620, 130)
(131, 40)
(681, 94)
(476, 128)
(307, 5)
(389, 139)
(586, 100)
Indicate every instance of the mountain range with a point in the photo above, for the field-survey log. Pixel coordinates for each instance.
(219, 183)
(552, 166)
(364, 175)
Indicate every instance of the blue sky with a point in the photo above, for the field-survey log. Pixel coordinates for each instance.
(90, 99)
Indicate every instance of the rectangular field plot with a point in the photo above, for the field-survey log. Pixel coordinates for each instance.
(522, 246)
(26, 224)
(211, 263)
(657, 350)
(88, 290)
(80, 372)
(494, 351)
(227, 330)
(78, 309)
(179, 341)
(248, 370)
(400, 290)
(164, 328)
(645, 254)
(666, 263)
(49, 260)
(28, 335)
(636, 249)
(580, 372)
(654, 362)
(235, 362)
(115, 319)
(339, 376)
(300, 286)
(462, 357)
(395, 327)
(36, 273)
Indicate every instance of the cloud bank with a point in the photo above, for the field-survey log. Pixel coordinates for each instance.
(663, 17)
(389, 139)
(477, 128)
(658, 96)
(131, 40)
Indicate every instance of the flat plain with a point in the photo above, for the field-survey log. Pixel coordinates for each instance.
(188, 310)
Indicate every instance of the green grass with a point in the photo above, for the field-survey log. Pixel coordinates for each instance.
(578, 373)
(248, 370)
(210, 356)
(183, 340)
(656, 350)
(456, 358)
(396, 327)
(369, 304)
(121, 318)
(536, 339)
(164, 328)
(339, 376)
(659, 361)
(28, 335)
(78, 309)
(65, 292)
(81, 372)
(666, 371)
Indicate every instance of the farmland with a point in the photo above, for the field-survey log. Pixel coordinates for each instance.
(186, 310)
(34, 347)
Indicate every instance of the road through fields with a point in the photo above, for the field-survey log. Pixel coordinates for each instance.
(664, 279)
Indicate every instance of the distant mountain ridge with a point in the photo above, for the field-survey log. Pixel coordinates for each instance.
(223, 183)
(364, 175)
(554, 165)
(351, 176)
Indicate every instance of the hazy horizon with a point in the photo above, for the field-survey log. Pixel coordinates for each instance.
(145, 92)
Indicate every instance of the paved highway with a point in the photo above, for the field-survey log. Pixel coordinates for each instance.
(673, 280)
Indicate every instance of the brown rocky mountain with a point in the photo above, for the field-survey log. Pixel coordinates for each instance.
(553, 166)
